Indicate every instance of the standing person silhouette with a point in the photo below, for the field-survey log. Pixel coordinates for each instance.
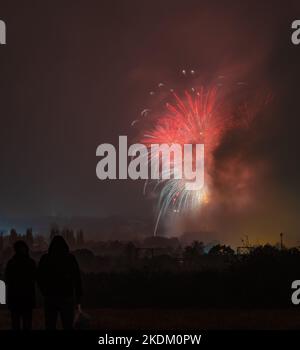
(20, 275)
(60, 283)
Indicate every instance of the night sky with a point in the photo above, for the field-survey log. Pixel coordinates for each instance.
(74, 74)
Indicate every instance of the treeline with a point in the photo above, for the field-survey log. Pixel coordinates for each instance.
(261, 278)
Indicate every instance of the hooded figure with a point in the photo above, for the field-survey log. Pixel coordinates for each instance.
(60, 283)
(20, 274)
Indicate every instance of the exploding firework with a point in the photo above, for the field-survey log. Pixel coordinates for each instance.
(196, 116)
(193, 118)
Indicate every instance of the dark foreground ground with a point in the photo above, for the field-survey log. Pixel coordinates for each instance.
(180, 319)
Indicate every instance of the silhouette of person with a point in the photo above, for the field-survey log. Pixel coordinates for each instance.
(60, 283)
(20, 275)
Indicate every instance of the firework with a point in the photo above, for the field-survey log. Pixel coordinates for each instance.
(196, 116)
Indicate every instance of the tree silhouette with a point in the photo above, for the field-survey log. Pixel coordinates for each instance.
(222, 250)
(29, 237)
(80, 238)
(13, 236)
(1, 242)
(193, 252)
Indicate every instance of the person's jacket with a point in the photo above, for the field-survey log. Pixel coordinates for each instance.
(59, 277)
(20, 276)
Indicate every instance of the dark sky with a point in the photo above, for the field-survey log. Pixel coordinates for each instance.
(74, 74)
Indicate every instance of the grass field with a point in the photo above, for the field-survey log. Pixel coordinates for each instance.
(179, 319)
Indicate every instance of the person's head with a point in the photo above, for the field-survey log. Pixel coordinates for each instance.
(58, 246)
(21, 248)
